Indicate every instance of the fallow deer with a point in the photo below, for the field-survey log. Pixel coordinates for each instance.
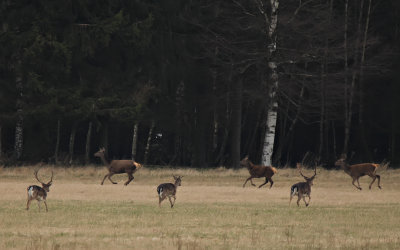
(258, 171)
(39, 193)
(118, 167)
(358, 170)
(302, 189)
(168, 190)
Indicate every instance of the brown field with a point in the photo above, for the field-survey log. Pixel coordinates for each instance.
(212, 211)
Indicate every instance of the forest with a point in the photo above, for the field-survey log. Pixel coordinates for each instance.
(199, 83)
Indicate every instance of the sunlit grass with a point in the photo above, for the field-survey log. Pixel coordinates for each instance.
(212, 211)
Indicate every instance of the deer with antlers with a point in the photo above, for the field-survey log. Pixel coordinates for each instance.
(302, 189)
(39, 193)
(358, 170)
(168, 190)
(258, 171)
(118, 167)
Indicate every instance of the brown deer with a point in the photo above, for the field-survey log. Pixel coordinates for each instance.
(39, 193)
(302, 189)
(168, 190)
(118, 167)
(258, 171)
(358, 170)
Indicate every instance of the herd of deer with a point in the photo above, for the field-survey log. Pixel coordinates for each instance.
(164, 190)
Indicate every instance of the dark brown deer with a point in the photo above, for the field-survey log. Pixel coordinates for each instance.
(168, 190)
(118, 167)
(258, 171)
(358, 170)
(302, 189)
(39, 193)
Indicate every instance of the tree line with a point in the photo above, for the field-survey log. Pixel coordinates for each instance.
(199, 83)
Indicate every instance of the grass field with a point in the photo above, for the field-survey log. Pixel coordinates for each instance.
(212, 211)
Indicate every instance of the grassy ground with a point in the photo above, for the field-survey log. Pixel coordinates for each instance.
(212, 211)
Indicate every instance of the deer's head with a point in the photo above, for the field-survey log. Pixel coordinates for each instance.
(341, 162)
(309, 180)
(245, 162)
(100, 153)
(178, 180)
(46, 186)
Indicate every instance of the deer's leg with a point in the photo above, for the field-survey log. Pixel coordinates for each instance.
(290, 200)
(130, 176)
(172, 204)
(27, 204)
(272, 183)
(247, 181)
(304, 199)
(298, 200)
(354, 179)
(45, 203)
(109, 177)
(266, 181)
(174, 199)
(38, 205)
(104, 179)
(379, 181)
(373, 180)
(159, 201)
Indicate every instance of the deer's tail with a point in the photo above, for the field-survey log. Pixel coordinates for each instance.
(274, 170)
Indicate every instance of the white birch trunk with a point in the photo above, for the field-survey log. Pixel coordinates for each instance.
(147, 151)
(269, 139)
(134, 140)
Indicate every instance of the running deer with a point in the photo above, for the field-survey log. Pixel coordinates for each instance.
(39, 193)
(302, 189)
(118, 167)
(358, 170)
(258, 171)
(168, 190)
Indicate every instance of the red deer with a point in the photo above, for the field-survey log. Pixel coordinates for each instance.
(39, 193)
(302, 189)
(168, 190)
(258, 171)
(358, 170)
(118, 167)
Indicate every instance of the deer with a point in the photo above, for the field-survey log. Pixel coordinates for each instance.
(302, 189)
(258, 171)
(358, 170)
(118, 167)
(168, 190)
(39, 193)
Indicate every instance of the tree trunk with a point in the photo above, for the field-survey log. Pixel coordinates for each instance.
(361, 131)
(72, 142)
(269, 138)
(346, 69)
(87, 148)
(57, 149)
(236, 122)
(18, 146)
(134, 140)
(147, 150)
(1, 145)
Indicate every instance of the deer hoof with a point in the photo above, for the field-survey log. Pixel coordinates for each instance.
(379, 187)
(307, 205)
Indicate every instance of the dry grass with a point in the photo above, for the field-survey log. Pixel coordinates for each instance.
(212, 211)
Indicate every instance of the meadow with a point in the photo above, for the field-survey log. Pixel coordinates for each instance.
(212, 211)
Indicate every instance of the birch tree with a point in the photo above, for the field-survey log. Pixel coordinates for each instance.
(272, 114)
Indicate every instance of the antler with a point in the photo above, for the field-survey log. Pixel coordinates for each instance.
(51, 179)
(37, 178)
(298, 165)
(36, 175)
